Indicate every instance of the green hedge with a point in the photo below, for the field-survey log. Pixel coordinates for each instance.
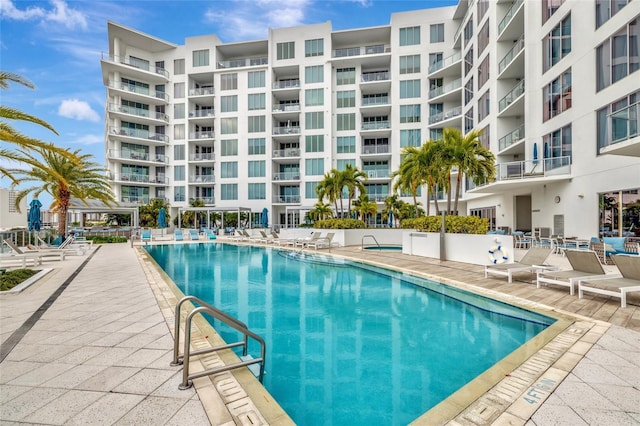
(453, 224)
(10, 279)
(106, 239)
(340, 224)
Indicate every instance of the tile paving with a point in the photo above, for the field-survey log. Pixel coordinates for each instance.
(100, 353)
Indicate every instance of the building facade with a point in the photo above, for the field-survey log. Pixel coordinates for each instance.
(553, 84)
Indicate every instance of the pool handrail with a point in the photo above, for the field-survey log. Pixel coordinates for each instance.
(225, 318)
(369, 236)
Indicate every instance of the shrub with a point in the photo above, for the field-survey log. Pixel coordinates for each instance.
(10, 279)
(340, 224)
(453, 224)
(107, 239)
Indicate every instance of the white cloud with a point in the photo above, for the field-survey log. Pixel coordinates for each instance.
(89, 140)
(8, 10)
(77, 110)
(60, 13)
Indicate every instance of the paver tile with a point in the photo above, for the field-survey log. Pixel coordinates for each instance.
(41, 374)
(108, 378)
(153, 410)
(144, 382)
(64, 407)
(106, 410)
(28, 402)
(190, 414)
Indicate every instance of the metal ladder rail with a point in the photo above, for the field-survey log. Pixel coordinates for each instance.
(227, 319)
(369, 236)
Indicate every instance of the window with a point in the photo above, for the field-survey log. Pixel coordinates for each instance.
(341, 165)
(286, 50)
(229, 81)
(229, 191)
(483, 6)
(178, 66)
(257, 146)
(346, 144)
(310, 190)
(468, 30)
(178, 111)
(257, 191)
(435, 59)
(314, 143)
(314, 47)
(409, 89)
(178, 90)
(229, 103)
(555, 145)
(228, 147)
(178, 173)
(345, 76)
(410, 113)
(314, 120)
(314, 97)
(557, 44)
(256, 79)
(314, 74)
(346, 99)
(483, 106)
(468, 91)
(411, 137)
(229, 169)
(483, 38)
(436, 33)
(605, 9)
(619, 56)
(468, 61)
(409, 64)
(178, 152)
(178, 131)
(618, 121)
(178, 193)
(257, 101)
(549, 7)
(409, 36)
(436, 134)
(485, 137)
(314, 167)
(256, 123)
(201, 58)
(483, 72)
(557, 96)
(346, 121)
(257, 168)
(468, 120)
(228, 125)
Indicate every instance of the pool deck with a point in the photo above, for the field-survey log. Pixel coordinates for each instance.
(90, 343)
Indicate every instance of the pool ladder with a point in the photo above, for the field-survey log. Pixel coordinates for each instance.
(228, 320)
(368, 236)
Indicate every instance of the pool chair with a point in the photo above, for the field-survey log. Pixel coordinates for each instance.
(304, 242)
(629, 267)
(211, 234)
(532, 260)
(281, 241)
(585, 265)
(177, 235)
(145, 235)
(322, 242)
(36, 255)
(193, 234)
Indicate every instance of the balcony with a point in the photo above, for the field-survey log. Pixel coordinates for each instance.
(202, 179)
(509, 100)
(286, 199)
(125, 133)
(286, 108)
(508, 67)
(376, 125)
(378, 197)
(512, 23)
(242, 62)
(206, 134)
(137, 156)
(375, 149)
(202, 91)
(378, 174)
(209, 156)
(152, 116)
(138, 67)
(445, 116)
(622, 132)
(295, 175)
(511, 139)
(375, 101)
(370, 77)
(440, 93)
(360, 51)
(286, 153)
(202, 113)
(140, 178)
(286, 84)
(145, 94)
(446, 66)
(208, 201)
(135, 199)
(285, 130)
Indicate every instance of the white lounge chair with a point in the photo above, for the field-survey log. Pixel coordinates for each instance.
(532, 261)
(322, 242)
(56, 254)
(629, 267)
(585, 265)
(304, 242)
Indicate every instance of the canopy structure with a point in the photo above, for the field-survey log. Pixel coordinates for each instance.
(208, 211)
(94, 206)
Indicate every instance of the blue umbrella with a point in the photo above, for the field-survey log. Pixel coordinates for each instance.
(390, 219)
(162, 218)
(34, 215)
(264, 218)
(535, 153)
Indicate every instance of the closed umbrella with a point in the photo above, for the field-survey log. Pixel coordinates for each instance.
(162, 218)
(390, 219)
(535, 153)
(265, 218)
(34, 215)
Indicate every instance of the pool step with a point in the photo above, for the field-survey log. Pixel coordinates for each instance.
(254, 368)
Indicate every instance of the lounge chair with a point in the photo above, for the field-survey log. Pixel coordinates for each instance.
(629, 267)
(322, 242)
(304, 242)
(12, 257)
(211, 234)
(193, 235)
(281, 241)
(532, 260)
(585, 265)
(57, 254)
(265, 238)
(177, 235)
(145, 235)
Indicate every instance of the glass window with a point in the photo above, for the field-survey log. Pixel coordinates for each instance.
(436, 134)
(435, 59)
(345, 76)
(257, 101)
(314, 120)
(314, 74)
(178, 173)
(341, 165)
(605, 9)
(178, 111)
(178, 131)
(314, 97)
(557, 44)
(409, 36)
(286, 50)
(178, 152)
(557, 96)
(410, 113)
(410, 137)
(314, 143)
(346, 121)
(483, 6)
(468, 120)
(229, 81)
(229, 191)
(549, 7)
(314, 167)
(310, 190)
(228, 147)
(257, 168)
(346, 99)
(228, 125)
(618, 121)
(346, 144)
(555, 145)
(409, 89)
(314, 47)
(468, 30)
(229, 169)
(436, 33)
(468, 61)
(483, 38)
(257, 191)
(468, 91)
(256, 79)
(483, 105)
(257, 146)
(178, 193)
(409, 64)
(229, 103)
(178, 66)
(178, 90)
(485, 137)
(201, 58)
(256, 123)
(483, 72)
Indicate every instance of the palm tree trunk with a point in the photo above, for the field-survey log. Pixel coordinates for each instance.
(449, 194)
(428, 202)
(435, 200)
(458, 187)
(63, 209)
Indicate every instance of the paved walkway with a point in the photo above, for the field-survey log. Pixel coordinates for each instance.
(100, 353)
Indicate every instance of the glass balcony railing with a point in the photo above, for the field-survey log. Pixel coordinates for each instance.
(201, 179)
(449, 87)
(361, 50)
(285, 199)
(286, 84)
(509, 15)
(202, 91)
(139, 133)
(376, 125)
(205, 200)
(202, 113)
(136, 63)
(368, 77)
(623, 124)
(375, 100)
(286, 108)
(209, 156)
(140, 156)
(242, 62)
(135, 199)
(286, 130)
(442, 116)
(511, 138)
(378, 197)
(145, 91)
(445, 62)
(378, 174)
(375, 149)
(139, 112)
(295, 175)
(288, 152)
(514, 94)
(140, 178)
(511, 54)
(533, 168)
(205, 134)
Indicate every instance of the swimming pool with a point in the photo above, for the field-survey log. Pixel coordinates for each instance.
(384, 248)
(349, 343)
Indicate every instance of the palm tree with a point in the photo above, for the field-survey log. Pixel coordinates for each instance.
(62, 178)
(471, 158)
(365, 207)
(392, 205)
(330, 187)
(320, 211)
(352, 178)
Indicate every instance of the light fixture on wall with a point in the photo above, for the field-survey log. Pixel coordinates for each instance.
(581, 195)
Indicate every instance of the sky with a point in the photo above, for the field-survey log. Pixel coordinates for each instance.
(57, 45)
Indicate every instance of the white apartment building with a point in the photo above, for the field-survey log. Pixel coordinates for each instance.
(554, 85)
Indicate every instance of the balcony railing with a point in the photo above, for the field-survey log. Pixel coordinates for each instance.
(377, 174)
(378, 197)
(142, 156)
(135, 199)
(375, 149)
(510, 13)
(284, 199)
(286, 108)
(202, 91)
(136, 63)
(138, 112)
(286, 84)
(511, 54)
(206, 134)
(140, 178)
(533, 168)
(202, 113)
(201, 179)
(127, 87)
(288, 152)
(362, 50)
(376, 125)
(368, 77)
(209, 156)
(445, 115)
(517, 90)
(286, 130)
(287, 175)
(511, 138)
(243, 62)
(375, 100)
(139, 133)
(445, 62)
(449, 87)
(623, 124)
(205, 200)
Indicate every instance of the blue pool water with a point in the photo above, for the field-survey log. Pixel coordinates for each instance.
(384, 248)
(349, 343)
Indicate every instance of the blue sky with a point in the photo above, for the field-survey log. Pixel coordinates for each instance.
(57, 45)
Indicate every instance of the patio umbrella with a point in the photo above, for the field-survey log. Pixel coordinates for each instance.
(264, 218)
(34, 215)
(535, 153)
(162, 218)
(390, 219)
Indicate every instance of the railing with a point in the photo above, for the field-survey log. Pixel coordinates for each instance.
(201, 179)
(139, 133)
(376, 125)
(135, 199)
(287, 176)
(243, 62)
(209, 156)
(205, 134)
(362, 50)
(205, 200)
(143, 65)
(286, 108)
(139, 112)
(200, 113)
(368, 77)
(378, 198)
(511, 54)
(375, 149)
(510, 13)
(517, 90)
(288, 152)
(286, 130)
(187, 353)
(139, 178)
(128, 87)
(377, 174)
(286, 84)
(202, 91)
(623, 124)
(449, 87)
(533, 168)
(441, 116)
(142, 156)
(445, 62)
(285, 199)
(375, 100)
(371, 237)
(511, 138)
